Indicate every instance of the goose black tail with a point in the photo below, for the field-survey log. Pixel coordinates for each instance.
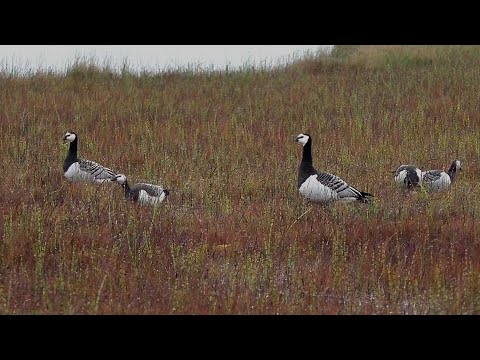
(364, 197)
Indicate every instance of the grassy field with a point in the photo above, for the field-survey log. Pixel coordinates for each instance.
(228, 240)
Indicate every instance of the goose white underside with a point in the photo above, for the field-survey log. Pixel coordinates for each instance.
(315, 191)
(400, 178)
(146, 199)
(74, 173)
(442, 183)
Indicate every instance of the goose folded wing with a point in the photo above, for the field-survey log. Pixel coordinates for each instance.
(432, 175)
(338, 185)
(98, 171)
(152, 190)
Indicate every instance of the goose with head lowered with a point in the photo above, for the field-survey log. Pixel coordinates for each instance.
(408, 176)
(322, 187)
(438, 180)
(142, 193)
(75, 169)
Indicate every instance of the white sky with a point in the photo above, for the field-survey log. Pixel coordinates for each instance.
(150, 57)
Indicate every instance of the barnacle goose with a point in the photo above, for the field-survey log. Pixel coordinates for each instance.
(141, 192)
(75, 169)
(322, 187)
(408, 176)
(437, 180)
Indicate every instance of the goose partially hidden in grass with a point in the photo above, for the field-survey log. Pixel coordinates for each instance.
(321, 187)
(408, 176)
(75, 169)
(438, 180)
(142, 193)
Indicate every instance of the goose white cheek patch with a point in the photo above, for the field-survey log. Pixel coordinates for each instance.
(121, 179)
(70, 137)
(302, 139)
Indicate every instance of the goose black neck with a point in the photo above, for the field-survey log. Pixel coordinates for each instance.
(126, 188)
(306, 167)
(452, 172)
(71, 156)
(72, 151)
(307, 153)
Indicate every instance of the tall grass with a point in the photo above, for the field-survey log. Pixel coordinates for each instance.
(229, 240)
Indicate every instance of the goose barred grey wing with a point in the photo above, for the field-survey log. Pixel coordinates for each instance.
(338, 185)
(98, 171)
(432, 175)
(152, 190)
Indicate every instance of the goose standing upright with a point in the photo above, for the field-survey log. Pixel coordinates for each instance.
(142, 193)
(75, 169)
(437, 180)
(408, 176)
(322, 187)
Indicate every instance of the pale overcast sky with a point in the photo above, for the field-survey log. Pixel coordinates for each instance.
(150, 57)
